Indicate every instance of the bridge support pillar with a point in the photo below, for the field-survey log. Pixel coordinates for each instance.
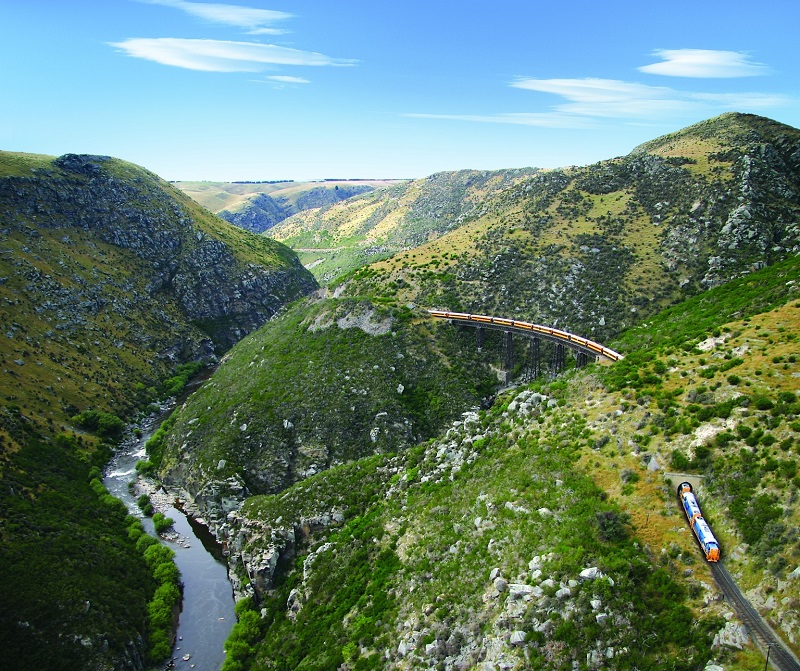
(532, 370)
(508, 352)
(559, 354)
(480, 338)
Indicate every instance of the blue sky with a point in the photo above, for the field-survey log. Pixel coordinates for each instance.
(301, 89)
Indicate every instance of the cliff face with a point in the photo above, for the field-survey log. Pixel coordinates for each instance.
(186, 258)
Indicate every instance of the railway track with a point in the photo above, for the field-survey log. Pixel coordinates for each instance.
(779, 656)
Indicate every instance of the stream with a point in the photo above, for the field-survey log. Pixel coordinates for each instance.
(207, 611)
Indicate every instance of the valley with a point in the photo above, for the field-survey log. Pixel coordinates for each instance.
(390, 493)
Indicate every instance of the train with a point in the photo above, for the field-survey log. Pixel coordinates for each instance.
(590, 345)
(708, 543)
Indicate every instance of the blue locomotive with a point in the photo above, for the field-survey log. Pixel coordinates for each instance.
(700, 527)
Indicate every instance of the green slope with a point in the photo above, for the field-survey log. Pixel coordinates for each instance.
(391, 561)
(109, 279)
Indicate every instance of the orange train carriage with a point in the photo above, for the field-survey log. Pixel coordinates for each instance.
(592, 346)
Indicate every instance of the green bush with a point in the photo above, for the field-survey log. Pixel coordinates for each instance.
(105, 425)
(162, 522)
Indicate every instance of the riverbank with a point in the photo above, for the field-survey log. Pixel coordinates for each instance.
(207, 614)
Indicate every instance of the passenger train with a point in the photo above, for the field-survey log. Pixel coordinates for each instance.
(700, 527)
(535, 328)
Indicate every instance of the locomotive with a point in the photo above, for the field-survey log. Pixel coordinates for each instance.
(702, 531)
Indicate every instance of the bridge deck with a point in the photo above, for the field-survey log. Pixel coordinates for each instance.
(571, 340)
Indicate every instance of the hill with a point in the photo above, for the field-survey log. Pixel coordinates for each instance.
(258, 206)
(110, 279)
(544, 532)
(371, 548)
(338, 238)
(599, 248)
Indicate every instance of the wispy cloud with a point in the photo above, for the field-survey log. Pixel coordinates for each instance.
(704, 63)
(585, 102)
(255, 21)
(541, 119)
(221, 55)
(286, 79)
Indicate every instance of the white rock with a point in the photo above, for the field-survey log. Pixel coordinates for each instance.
(519, 591)
(545, 512)
(517, 638)
(596, 604)
(564, 592)
(591, 573)
(601, 618)
(500, 584)
(794, 575)
(494, 574)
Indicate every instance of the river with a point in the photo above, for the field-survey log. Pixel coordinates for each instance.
(207, 612)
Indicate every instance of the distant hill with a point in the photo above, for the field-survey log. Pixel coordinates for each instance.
(110, 278)
(596, 249)
(258, 206)
(338, 238)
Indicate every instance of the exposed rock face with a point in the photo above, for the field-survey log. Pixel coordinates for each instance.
(195, 266)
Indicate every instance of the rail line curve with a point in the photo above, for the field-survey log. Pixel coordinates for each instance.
(571, 340)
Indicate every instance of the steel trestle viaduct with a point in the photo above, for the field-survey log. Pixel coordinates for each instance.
(585, 350)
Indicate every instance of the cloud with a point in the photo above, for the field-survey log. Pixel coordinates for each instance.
(620, 99)
(585, 102)
(286, 79)
(704, 63)
(256, 21)
(220, 55)
(540, 119)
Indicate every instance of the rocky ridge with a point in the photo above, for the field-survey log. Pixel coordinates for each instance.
(677, 216)
(99, 255)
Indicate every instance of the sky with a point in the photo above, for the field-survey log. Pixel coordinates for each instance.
(313, 89)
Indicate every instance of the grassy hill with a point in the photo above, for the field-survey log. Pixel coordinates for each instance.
(258, 206)
(336, 239)
(599, 248)
(474, 547)
(110, 279)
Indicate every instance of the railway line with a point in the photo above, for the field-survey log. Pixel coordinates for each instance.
(779, 656)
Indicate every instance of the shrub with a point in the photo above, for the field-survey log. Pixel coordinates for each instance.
(162, 522)
(762, 403)
(104, 424)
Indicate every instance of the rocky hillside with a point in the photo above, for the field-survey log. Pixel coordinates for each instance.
(324, 384)
(545, 533)
(336, 239)
(109, 279)
(258, 206)
(110, 276)
(596, 249)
